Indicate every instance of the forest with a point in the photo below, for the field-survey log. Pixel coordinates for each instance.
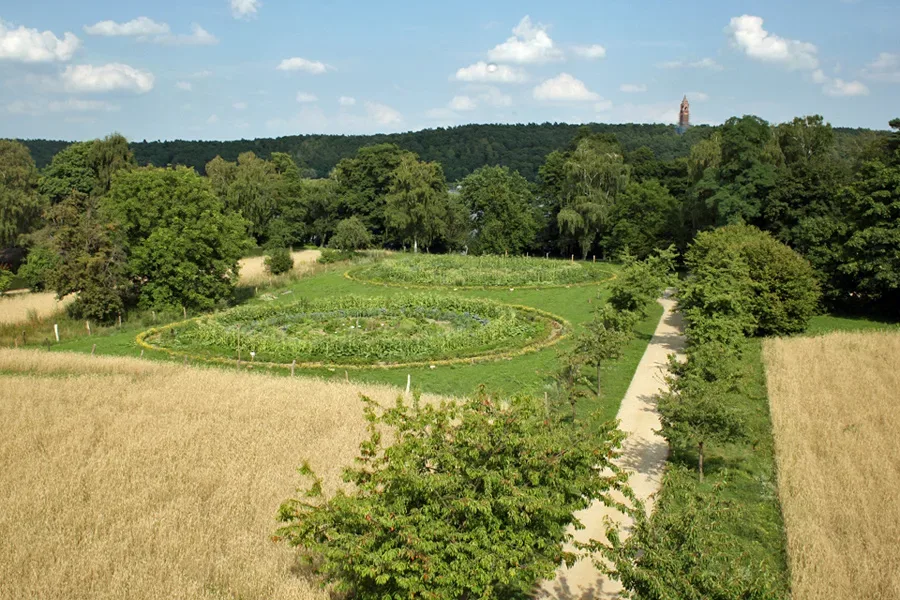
(460, 150)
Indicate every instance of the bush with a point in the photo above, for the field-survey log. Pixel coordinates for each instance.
(642, 281)
(279, 261)
(38, 267)
(332, 256)
(473, 500)
(6, 278)
(742, 272)
(351, 234)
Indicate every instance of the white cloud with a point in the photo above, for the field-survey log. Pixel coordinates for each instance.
(312, 67)
(564, 87)
(632, 88)
(245, 9)
(819, 76)
(462, 103)
(197, 37)
(184, 86)
(494, 97)
(703, 63)
(135, 27)
(594, 51)
(212, 120)
(842, 89)
(71, 105)
(346, 101)
(748, 35)
(239, 106)
(491, 73)
(383, 114)
(885, 68)
(303, 97)
(107, 78)
(697, 96)
(529, 44)
(603, 105)
(31, 45)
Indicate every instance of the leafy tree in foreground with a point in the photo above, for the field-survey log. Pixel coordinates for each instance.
(20, 202)
(472, 500)
(38, 268)
(351, 234)
(6, 277)
(501, 205)
(681, 553)
(642, 281)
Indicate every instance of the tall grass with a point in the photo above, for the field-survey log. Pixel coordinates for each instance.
(24, 306)
(133, 479)
(834, 403)
(253, 271)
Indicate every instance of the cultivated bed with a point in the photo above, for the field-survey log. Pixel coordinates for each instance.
(457, 271)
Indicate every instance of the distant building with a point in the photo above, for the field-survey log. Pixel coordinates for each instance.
(684, 115)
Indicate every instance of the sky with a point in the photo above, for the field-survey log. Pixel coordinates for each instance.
(234, 69)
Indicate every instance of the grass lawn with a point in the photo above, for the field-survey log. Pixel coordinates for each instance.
(526, 374)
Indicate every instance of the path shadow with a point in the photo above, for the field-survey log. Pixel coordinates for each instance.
(561, 590)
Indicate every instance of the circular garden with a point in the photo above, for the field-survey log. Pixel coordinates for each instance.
(361, 332)
(480, 272)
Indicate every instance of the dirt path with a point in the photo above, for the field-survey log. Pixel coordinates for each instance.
(643, 453)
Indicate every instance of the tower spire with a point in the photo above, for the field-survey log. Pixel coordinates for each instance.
(684, 115)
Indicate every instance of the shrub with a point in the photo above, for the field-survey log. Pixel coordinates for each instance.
(38, 267)
(744, 273)
(6, 277)
(642, 281)
(279, 261)
(351, 234)
(330, 256)
(473, 500)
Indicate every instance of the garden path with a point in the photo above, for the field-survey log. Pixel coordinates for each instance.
(643, 455)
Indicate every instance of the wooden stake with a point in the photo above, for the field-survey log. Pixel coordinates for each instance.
(573, 258)
(595, 258)
(120, 320)
(87, 325)
(293, 366)
(184, 310)
(142, 353)
(346, 377)
(17, 341)
(56, 331)
(408, 382)
(24, 340)
(93, 349)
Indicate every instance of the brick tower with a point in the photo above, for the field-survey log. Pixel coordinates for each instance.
(684, 116)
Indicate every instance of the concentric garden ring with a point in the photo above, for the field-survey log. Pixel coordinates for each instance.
(352, 332)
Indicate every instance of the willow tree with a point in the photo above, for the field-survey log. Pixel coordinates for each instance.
(20, 202)
(417, 203)
(595, 174)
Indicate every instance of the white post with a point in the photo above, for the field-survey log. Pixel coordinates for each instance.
(87, 324)
(56, 331)
(408, 382)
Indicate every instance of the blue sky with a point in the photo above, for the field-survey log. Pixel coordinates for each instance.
(226, 69)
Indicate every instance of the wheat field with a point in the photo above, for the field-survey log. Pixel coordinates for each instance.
(124, 478)
(253, 270)
(835, 404)
(22, 306)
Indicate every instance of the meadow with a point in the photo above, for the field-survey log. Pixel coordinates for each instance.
(136, 479)
(834, 413)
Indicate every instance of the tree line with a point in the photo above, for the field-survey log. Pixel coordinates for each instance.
(836, 205)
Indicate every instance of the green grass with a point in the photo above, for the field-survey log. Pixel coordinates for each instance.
(822, 324)
(525, 374)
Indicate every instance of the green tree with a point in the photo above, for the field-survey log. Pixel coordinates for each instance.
(644, 219)
(70, 171)
(20, 202)
(417, 203)
(695, 411)
(183, 245)
(221, 174)
(351, 235)
(472, 500)
(39, 267)
(680, 551)
(254, 192)
(641, 282)
(90, 258)
(106, 157)
(595, 175)
(501, 206)
(6, 278)
(278, 261)
(604, 338)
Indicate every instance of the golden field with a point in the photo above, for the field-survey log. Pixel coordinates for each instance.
(124, 478)
(253, 270)
(835, 404)
(22, 306)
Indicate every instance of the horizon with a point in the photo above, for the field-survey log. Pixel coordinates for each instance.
(223, 70)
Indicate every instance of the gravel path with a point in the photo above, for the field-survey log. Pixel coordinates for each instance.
(643, 453)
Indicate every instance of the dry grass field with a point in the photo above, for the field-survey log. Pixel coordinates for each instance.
(835, 403)
(22, 306)
(253, 270)
(124, 478)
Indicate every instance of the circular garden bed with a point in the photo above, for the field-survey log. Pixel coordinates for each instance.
(461, 272)
(361, 332)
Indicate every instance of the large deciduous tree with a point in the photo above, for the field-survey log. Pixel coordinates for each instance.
(255, 192)
(417, 203)
(182, 243)
(20, 202)
(645, 218)
(501, 206)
